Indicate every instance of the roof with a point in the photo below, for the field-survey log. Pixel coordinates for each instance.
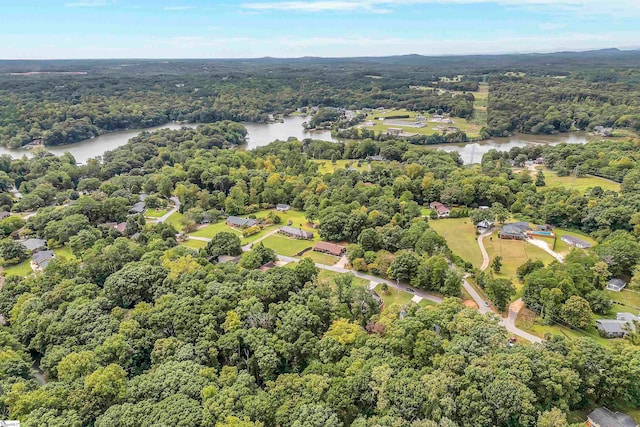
(42, 256)
(485, 224)
(604, 417)
(331, 248)
(33, 244)
(121, 226)
(515, 228)
(439, 207)
(611, 326)
(572, 240)
(616, 284)
(138, 208)
(241, 222)
(296, 232)
(283, 206)
(228, 258)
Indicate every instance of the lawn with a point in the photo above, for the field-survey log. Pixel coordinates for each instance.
(514, 253)
(528, 321)
(471, 129)
(194, 244)
(154, 213)
(286, 246)
(321, 258)
(327, 166)
(22, 269)
(563, 248)
(625, 301)
(427, 303)
(326, 276)
(581, 184)
(393, 296)
(460, 234)
(64, 252)
(176, 220)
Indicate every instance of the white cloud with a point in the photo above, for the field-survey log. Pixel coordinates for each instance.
(551, 26)
(88, 3)
(586, 7)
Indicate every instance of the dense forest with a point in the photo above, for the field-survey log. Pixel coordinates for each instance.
(137, 329)
(68, 101)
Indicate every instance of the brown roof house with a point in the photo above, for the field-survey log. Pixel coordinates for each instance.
(442, 210)
(329, 248)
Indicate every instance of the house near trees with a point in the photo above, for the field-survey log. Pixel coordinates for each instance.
(138, 208)
(514, 231)
(604, 417)
(616, 285)
(329, 248)
(41, 259)
(33, 245)
(484, 225)
(442, 210)
(616, 328)
(574, 241)
(281, 207)
(296, 233)
(234, 221)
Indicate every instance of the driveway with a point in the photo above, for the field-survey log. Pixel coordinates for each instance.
(174, 209)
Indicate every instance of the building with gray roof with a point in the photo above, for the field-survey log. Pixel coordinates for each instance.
(604, 417)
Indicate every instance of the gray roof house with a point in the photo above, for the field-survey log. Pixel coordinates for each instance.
(138, 208)
(41, 259)
(34, 244)
(616, 328)
(283, 207)
(296, 233)
(484, 224)
(616, 285)
(603, 417)
(235, 221)
(574, 241)
(514, 231)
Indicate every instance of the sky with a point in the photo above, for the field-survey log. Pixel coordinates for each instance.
(61, 29)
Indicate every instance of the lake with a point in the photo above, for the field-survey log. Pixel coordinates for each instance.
(260, 134)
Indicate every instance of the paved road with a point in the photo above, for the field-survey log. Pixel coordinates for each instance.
(176, 207)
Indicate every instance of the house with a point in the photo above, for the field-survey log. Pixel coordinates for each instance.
(616, 328)
(138, 208)
(234, 221)
(604, 417)
(34, 244)
(484, 225)
(120, 226)
(329, 248)
(206, 218)
(574, 241)
(616, 285)
(483, 207)
(544, 227)
(296, 233)
(442, 210)
(282, 207)
(4, 215)
(514, 231)
(41, 259)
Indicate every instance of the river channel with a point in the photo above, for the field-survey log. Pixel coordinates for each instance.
(260, 134)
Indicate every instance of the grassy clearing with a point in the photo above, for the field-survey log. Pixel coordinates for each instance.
(286, 246)
(427, 303)
(64, 252)
(321, 258)
(22, 269)
(175, 219)
(154, 213)
(581, 184)
(530, 322)
(460, 235)
(194, 244)
(326, 276)
(393, 296)
(563, 248)
(327, 166)
(626, 300)
(471, 129)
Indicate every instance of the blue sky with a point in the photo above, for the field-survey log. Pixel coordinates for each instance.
(256, 28)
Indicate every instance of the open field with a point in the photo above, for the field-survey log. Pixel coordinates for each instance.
(581, 184)
(321, 258)
(327, 166)
(64, 252)
(286, 246)
(22, 269)
(563, 248)
(175, 219)
(514, 253)
(194, 244)
(471, 129)
(326, 276)
(460, 235)
(625, 301)
(393, 296)
(154, 213)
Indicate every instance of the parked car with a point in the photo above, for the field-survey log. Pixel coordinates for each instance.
(486, 304)
(410, 290)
